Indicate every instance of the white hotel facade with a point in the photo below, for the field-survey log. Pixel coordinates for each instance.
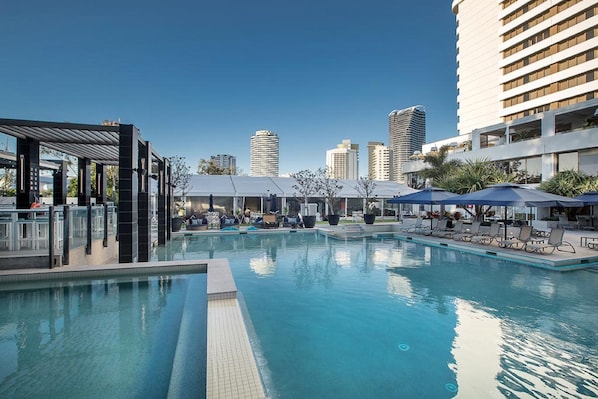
(527, 87)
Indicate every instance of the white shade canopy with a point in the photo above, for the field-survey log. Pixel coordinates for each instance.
(249, 186)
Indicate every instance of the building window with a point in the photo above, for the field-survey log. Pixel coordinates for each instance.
(568, 161)
(588, 162)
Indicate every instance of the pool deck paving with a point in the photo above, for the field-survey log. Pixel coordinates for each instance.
(559, 260)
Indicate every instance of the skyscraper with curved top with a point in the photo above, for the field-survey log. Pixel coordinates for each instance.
(264, 154)
(406, 134)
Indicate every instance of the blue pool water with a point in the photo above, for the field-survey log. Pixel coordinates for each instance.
(102, 338)
(380, 318)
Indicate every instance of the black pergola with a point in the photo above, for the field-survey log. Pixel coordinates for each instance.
(104, 145)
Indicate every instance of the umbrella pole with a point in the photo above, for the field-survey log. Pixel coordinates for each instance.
(505, 212)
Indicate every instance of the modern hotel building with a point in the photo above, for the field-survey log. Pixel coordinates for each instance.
(264, 154)
(527, 88)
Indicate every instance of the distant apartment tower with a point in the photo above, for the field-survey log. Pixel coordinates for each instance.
(378, 161)
(264, 154)
(343, 161)
(225, 161)
(531, 56)
(406, 134)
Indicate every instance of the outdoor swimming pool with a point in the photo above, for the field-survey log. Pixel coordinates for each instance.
(333, 321)
(104, 338)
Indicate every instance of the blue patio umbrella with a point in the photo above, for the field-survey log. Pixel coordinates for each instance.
(427, 196)
(588, 198)
(211, 207)
(508, 194)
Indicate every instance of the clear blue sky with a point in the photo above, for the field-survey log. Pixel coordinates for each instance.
(200, 77)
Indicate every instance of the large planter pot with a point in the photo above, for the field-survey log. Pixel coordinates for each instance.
(177, 223)
(333, 219)
(369, 218)
(309, 221)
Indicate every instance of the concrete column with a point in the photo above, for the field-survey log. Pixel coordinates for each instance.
(127, 188)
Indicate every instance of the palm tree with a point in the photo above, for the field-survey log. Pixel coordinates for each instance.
(474, 176)
(568, 183)
(439, 166)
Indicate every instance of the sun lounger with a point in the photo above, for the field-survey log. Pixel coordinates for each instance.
(555, 241)
(519, 242)
(467, 234)
(292, 222)
(413, 228)
(270, 221)
(487, 238)
(440, 226)
(449, 233)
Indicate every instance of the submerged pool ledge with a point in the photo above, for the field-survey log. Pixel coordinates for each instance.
(232, 370)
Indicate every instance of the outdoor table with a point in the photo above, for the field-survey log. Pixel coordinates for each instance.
(584, 241)
(535, 241)
(541, 233)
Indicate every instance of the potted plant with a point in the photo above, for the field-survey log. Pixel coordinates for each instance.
(307, 186)
(178, 218)
(329, 189)
(365, 188)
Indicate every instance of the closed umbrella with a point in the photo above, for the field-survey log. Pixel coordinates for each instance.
(273, 203)
(211, 207)
(508, 194)
(427, 196)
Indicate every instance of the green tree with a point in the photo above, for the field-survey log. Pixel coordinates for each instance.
(440, 167)
(209, 167)
(329, 188)
(180, 175)
(307, 185)
(365, 188)
(8, 182)
(473, 176)
(568, 183)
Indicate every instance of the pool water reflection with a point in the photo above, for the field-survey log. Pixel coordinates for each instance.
(379, 318)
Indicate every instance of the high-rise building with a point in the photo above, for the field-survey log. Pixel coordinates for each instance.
(406, 134)
(378, 161)
(225, 161)
(533, 56)
(264, 154)
(371, 148)
(527, 88)
(343, 161)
